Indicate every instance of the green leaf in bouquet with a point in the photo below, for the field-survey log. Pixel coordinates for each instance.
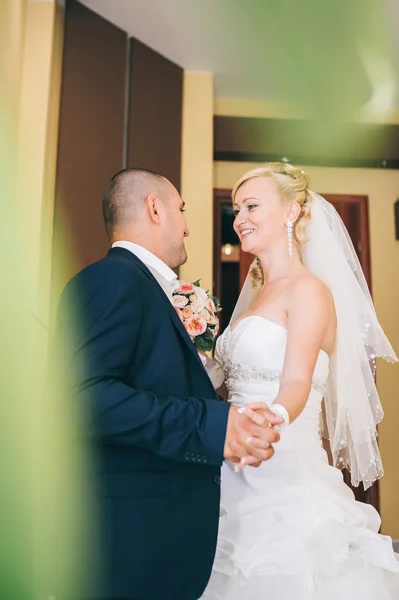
(205, 341)
(197, 283)
(186, 294)
(216, 302)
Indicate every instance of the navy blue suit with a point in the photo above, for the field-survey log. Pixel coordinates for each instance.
(156, 427)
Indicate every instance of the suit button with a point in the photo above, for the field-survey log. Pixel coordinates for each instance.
(205, 459)
(187, 455)
(198, 458)
(216, 479)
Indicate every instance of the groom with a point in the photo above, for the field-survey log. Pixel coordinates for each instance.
(158, 432)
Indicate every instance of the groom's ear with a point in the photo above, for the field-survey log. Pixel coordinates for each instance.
(153, 207)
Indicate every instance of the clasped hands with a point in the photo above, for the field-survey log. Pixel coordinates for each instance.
(250, 434)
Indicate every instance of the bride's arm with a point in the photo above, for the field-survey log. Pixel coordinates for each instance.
(215, 373)
(309, 315)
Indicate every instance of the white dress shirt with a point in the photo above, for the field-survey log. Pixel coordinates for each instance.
(166, 278)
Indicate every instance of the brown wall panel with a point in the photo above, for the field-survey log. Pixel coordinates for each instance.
(91, 133)
(155, 112)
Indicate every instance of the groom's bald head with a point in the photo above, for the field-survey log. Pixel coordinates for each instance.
(125, 196)
(144, 208)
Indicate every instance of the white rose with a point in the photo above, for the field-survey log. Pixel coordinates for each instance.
(179, 301)
(205, 314)
(198, 305)
(201, 293)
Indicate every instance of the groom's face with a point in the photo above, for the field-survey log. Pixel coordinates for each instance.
(175, 230)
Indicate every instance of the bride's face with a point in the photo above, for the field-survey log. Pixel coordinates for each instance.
(260, 215)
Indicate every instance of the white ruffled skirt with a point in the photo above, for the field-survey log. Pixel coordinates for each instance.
(295, 532)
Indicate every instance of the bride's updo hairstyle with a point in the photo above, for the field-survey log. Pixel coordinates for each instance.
(293, 185)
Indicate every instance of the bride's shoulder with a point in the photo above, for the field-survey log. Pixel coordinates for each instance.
(311, 304)
(308, 287)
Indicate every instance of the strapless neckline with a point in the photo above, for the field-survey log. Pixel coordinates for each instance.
(233, 330)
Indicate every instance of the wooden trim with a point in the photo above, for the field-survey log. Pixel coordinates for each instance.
(220, 196)
(396, 209)
(359, 145)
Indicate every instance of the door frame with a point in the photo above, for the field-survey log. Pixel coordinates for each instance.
(220, 196)
(363, 203)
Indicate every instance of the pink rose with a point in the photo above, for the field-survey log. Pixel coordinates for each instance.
(185, 288)
(195, 325)
(205, 314)
(210, 305)
(179, 301)
(186, 312)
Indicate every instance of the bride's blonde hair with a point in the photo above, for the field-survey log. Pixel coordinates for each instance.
(293, 185)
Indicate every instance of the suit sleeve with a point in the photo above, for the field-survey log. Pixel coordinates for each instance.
(106, 331)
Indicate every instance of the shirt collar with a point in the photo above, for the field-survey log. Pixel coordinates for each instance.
(149, 259)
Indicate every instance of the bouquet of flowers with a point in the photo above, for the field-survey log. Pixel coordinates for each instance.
(197, 311)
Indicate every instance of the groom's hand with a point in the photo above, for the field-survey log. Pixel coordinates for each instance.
(250, 434)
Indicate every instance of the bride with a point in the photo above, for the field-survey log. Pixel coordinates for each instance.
(304, 329)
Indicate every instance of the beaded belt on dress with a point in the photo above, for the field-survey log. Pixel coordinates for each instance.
(234, 372)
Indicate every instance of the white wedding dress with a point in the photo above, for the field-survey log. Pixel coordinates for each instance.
(291, 529)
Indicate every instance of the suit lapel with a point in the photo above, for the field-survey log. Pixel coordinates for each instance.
(162, 297)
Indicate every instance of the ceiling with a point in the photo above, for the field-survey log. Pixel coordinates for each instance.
(319, 51)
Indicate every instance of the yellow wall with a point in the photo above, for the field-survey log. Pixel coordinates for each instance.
(245, 107)
(39, 93)
(197, 175)
(30, 71)
(12, 26)
(382, 188)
